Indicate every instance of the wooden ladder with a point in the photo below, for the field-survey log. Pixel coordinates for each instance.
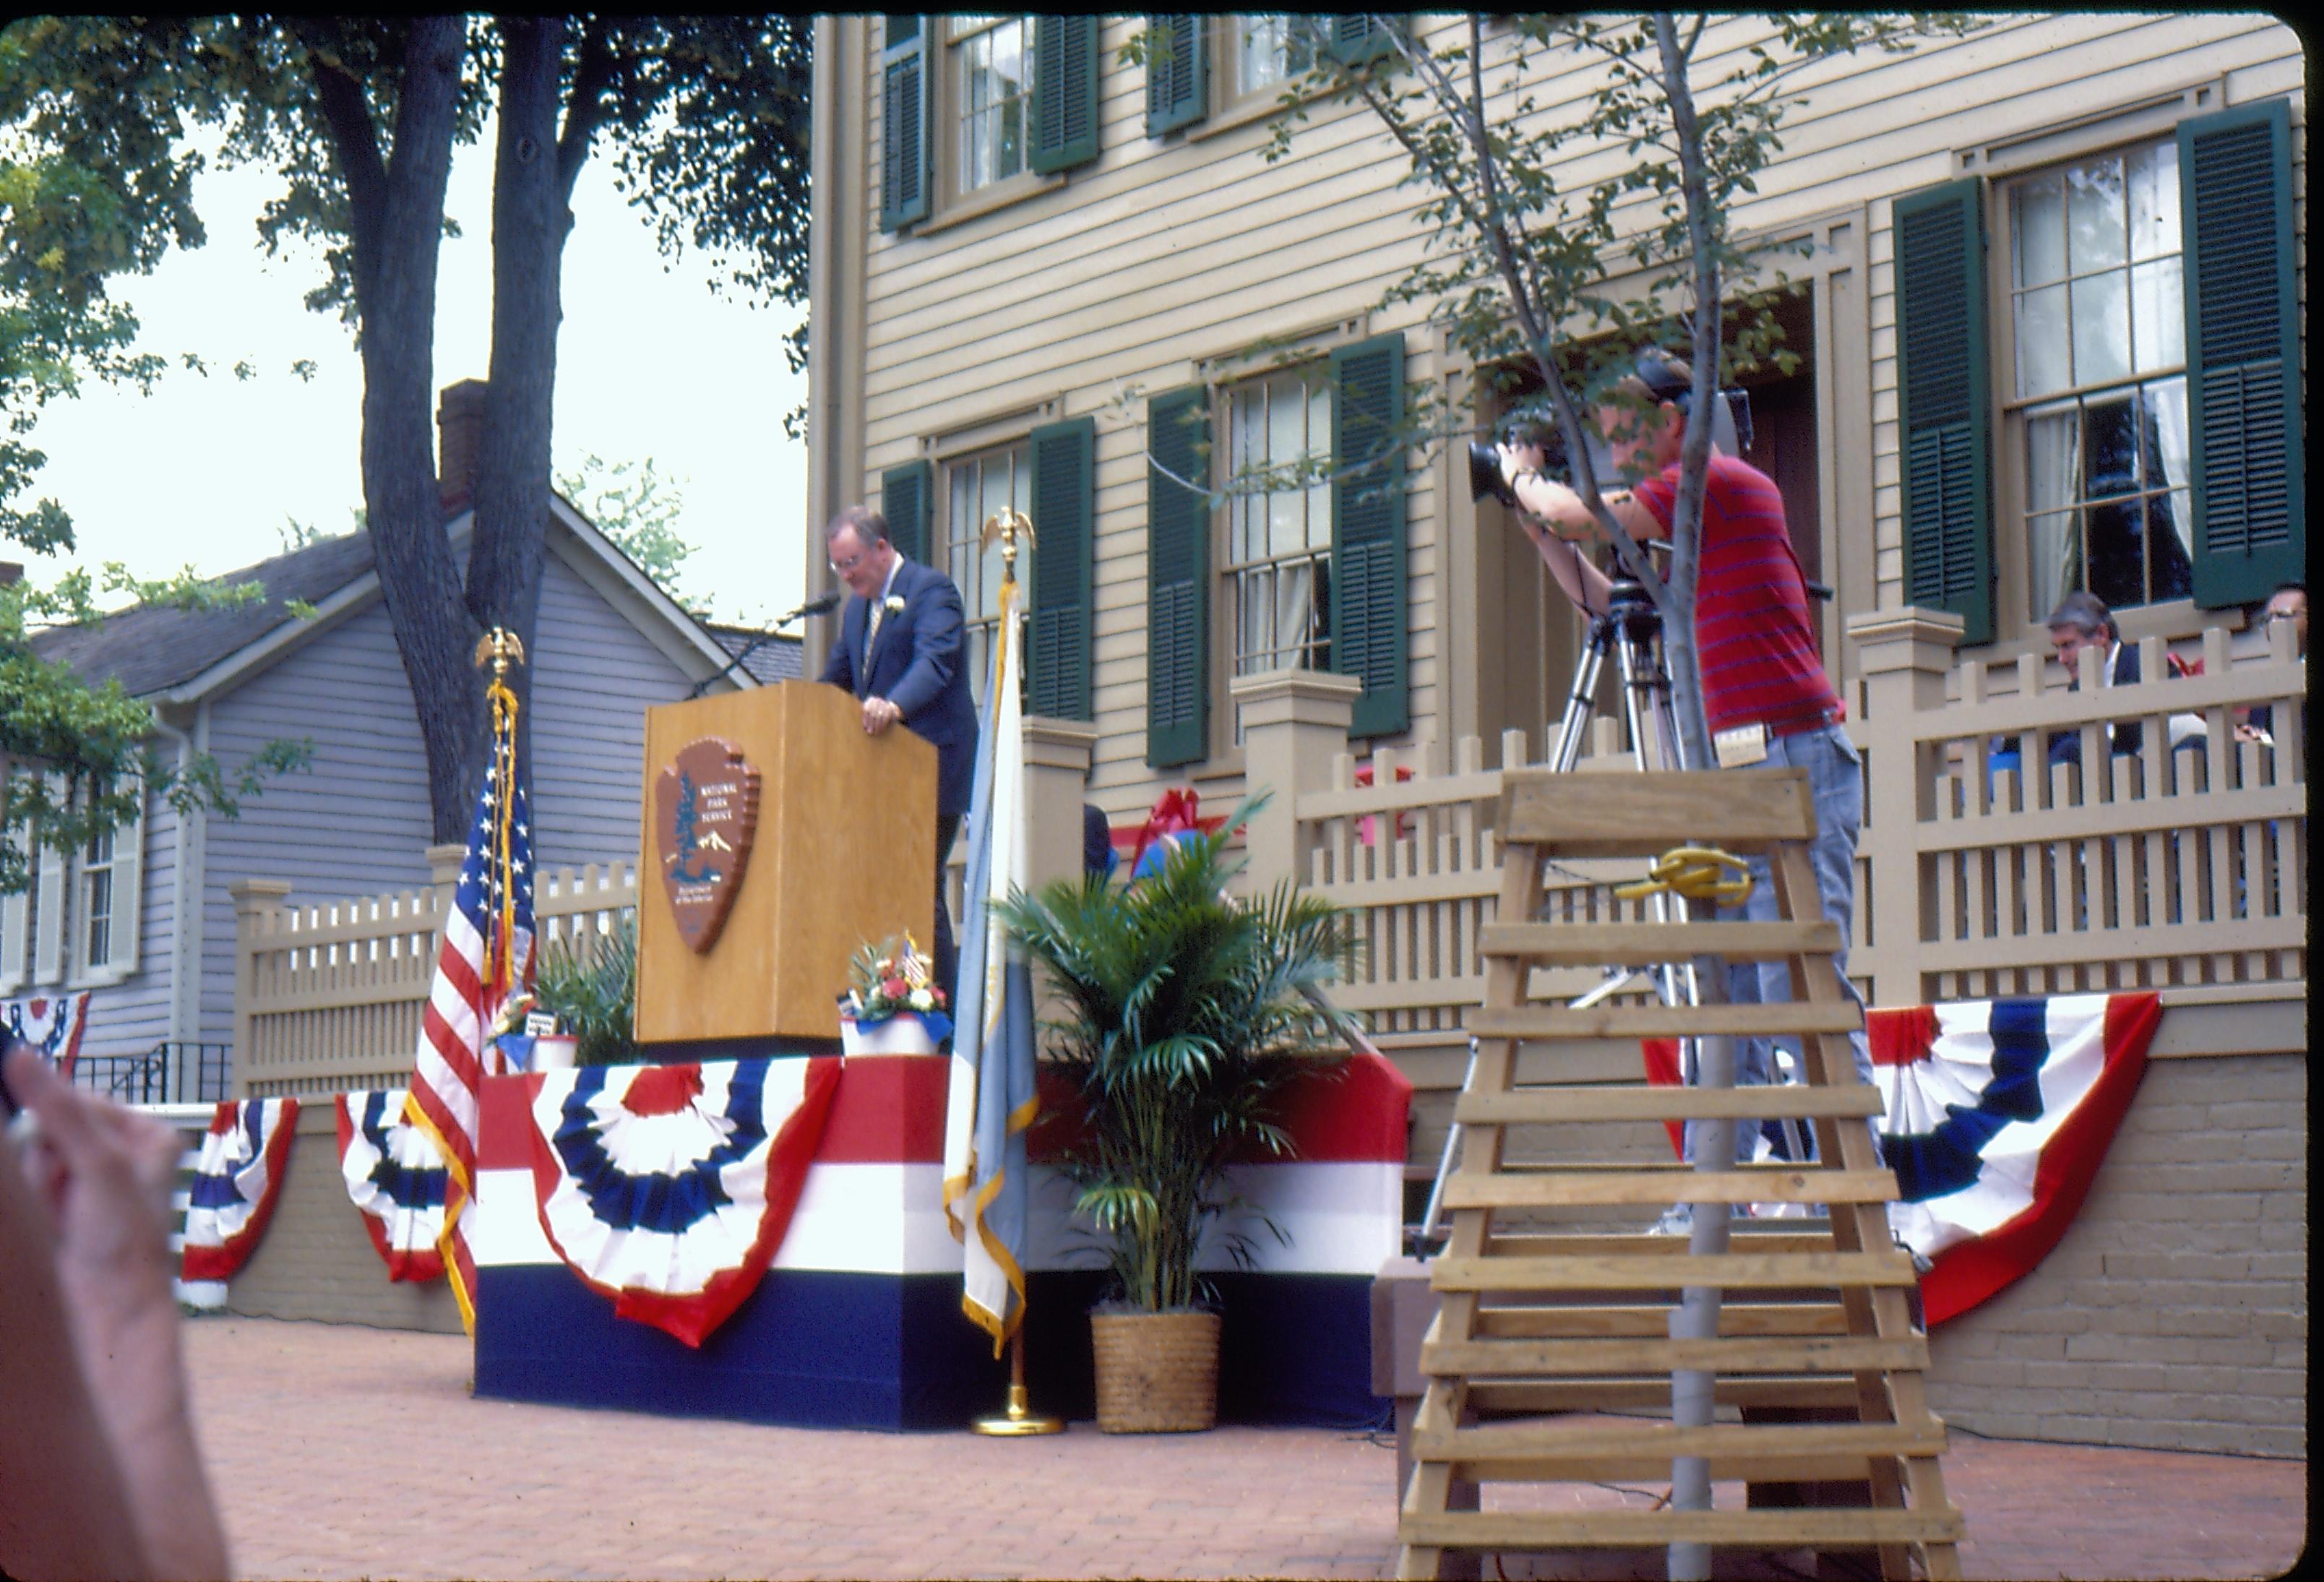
(1535, 1328)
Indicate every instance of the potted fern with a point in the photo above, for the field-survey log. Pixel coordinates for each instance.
(1185, 1017)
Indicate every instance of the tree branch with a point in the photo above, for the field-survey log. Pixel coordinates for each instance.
(354, 142)
(585, 110)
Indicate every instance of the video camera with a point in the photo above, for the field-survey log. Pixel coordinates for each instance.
(1665, 380)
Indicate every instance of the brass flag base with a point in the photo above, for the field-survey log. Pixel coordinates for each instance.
(1018, 1420)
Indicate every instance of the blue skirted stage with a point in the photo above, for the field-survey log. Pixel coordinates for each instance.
(856, 1321)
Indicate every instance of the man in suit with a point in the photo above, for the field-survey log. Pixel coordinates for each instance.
(900, 651)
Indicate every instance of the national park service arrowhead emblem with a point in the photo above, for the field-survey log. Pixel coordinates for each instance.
(706, 810)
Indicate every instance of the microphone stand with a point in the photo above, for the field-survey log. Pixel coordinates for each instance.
(813, 606)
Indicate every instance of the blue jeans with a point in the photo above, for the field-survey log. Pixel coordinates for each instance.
(1836, 785)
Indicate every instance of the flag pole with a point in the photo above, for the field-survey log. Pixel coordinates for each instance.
(1017, 1420)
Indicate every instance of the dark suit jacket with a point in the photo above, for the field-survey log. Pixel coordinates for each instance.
(2066, 746)
(920, 665)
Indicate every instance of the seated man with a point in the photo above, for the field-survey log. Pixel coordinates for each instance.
(2080, 621)
(2289, 602)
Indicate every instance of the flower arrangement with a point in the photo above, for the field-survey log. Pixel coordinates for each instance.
(888, 977)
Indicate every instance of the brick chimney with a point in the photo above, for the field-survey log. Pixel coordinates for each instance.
(459, 435)
(12, 572)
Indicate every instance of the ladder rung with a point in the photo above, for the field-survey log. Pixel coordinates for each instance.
(1814, 1354)
(1742, 1237)
(1731, 1271)
(1533, 1397)
(1605, 1319)
(1780, 1101)
(1817, 1527)
(1680, 1185)
(1595, 944)
(1497, 1442)
(1565, 1021)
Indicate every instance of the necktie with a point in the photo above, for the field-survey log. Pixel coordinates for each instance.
(871, 636)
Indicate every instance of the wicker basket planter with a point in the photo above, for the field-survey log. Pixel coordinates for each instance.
(1156, 1373)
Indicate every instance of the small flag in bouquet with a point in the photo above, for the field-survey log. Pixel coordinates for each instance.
(894, 1006)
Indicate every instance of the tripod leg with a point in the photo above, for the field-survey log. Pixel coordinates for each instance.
(1579, 698)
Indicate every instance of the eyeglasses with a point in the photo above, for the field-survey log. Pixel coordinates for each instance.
(852, 561)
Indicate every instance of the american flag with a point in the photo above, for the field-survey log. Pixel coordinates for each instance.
(485, 960)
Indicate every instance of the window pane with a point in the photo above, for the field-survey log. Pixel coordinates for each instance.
(2158, 315)
(2038, 222)
(2096, 216)
(2101, 329)
(2043, 362)
(2154, 200)
(2170, 545)
(2110, 447)
(2166, 433)
(2049, 542)
(2115, 539)
(1261, 58)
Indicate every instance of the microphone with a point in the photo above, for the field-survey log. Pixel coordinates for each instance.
(813, 606)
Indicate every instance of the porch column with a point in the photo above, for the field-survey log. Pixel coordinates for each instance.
(1294, 723)
(1056, 770)
(1902, 656)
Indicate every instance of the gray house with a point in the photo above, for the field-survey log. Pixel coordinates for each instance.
(143, 918)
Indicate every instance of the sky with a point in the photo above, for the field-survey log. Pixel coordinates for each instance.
(650, 363)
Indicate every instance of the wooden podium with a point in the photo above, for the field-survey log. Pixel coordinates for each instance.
(841, 853)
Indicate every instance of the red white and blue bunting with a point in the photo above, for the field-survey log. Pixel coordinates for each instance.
(395, 1174)
(237, 1182)
(50, 1023)
(2000, 1112)
(669, 1187)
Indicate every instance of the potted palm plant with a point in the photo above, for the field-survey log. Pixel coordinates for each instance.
(1183, 1018)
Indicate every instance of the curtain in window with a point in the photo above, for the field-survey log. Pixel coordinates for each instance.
(2054, 452)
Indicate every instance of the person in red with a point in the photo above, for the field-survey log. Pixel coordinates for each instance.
(1767, 697)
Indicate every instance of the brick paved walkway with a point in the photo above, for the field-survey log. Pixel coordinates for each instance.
(319, 1442)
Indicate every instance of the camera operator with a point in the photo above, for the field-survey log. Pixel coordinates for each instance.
(1765, 695)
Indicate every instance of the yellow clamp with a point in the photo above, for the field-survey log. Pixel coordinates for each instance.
(1692, 871)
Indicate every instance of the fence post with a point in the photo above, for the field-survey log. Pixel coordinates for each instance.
(1056, 768)
(1294, 724)
(1902, 656)
(257, 908)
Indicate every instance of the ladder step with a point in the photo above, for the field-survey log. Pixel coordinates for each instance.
(1818, 1528)
(1781, 1101)
(1731, 1270)
(1536, 1397)
(1565, 1021)
(1643, 944)
(1607, 1320)
(1801, 1236)
(1677, 1185)
(1814, 1354)
(1633, 815)
(1663, 1441)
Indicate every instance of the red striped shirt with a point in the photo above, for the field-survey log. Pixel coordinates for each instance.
(1752, 630)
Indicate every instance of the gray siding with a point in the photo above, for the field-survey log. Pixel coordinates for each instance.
(355, 823)
(596, 675)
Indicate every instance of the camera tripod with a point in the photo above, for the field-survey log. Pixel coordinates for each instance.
(1630, 628)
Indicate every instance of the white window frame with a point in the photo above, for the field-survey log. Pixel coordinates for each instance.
(1234, 521)
(951, 202)
(956, 539)
(2019, 411)
(124, 869)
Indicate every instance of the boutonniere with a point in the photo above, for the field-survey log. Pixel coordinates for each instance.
(893, 604)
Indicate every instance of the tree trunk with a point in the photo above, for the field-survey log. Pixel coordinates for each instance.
(529, 221)
(419, 577)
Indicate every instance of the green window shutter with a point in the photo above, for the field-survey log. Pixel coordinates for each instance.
(1944, 405)
(904, 502)
(1065, 91)
(1177, 579)
(1178, 72)
(2242, 353)
(903, 123)
(1064, 472)
(1369, 639)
